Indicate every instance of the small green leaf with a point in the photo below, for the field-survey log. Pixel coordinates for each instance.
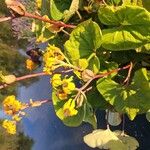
(57, 8)
(94, 64)
(83, 41)
(90, 116)
(72, 10)
(132, 112)
(144, 49)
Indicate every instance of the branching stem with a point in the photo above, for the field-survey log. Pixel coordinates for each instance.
(25, 77)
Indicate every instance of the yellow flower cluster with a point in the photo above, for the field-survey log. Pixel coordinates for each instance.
(30, 65)
(52, 58)
(10, 126)
(67, 110)
(11, 106)
(64, 86)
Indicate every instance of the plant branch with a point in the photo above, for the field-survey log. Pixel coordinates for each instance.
(104, 74)
(2, 19)
(129, 74)
(35, 103)
(24, 77)
(100, 76)
(56, 23)
(38, 17)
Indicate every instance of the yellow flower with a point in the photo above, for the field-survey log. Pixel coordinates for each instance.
(56, 80)
(30, 65)
(10, 126)
(16, 117)
(68, 110)
(68, 86)
(11, 105)
(54, 51)
(61, 95)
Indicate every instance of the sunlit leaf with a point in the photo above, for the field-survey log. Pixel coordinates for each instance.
(57, 8)
(104, 139)
(132, 99)
(83, 41)
(72, 10)
(129, 141)
(94, 64)
(131, 26)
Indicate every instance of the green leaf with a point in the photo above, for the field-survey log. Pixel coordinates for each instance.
(76, 120)
(125, 38)
(72, 10)
(57, 8)
(144, 49)
(132, 99)
(96, 100)
(131, 27)
(94, 64)
(83, 41)
(90, 116)
(124, 15)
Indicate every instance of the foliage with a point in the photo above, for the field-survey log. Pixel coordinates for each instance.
(98, 58)
(14, 142)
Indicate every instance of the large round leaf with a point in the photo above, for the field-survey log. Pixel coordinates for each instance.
(130, 27)
(83, 41)
(132, 99)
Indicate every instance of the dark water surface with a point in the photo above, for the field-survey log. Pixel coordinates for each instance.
(49, 133)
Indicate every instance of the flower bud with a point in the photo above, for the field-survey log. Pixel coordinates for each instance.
(9, 79)
(87, 75)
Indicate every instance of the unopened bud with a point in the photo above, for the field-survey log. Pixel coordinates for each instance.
(9, 79)
(87, 75)
(80, 100)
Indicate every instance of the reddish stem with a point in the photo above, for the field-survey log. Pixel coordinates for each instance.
(28, 105)
(29, 15)
(25, 77)
(103, 75)
(56, 23)
(110, 72)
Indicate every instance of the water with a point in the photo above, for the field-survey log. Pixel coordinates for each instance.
(49, 133)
